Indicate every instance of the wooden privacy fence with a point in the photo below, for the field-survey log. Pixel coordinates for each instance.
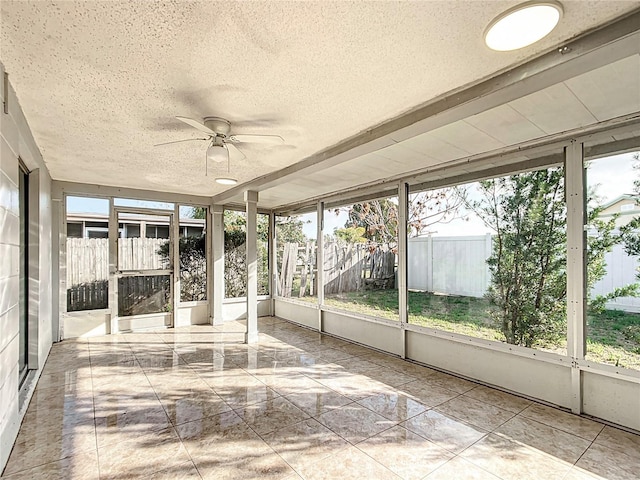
(347, 268)
(88, 267)
(297, 260)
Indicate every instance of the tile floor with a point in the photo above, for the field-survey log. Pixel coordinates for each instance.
(197, 403)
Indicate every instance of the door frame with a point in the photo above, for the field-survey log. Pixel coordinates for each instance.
(115, 272)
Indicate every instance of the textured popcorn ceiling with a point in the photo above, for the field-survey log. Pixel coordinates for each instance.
(101, 81)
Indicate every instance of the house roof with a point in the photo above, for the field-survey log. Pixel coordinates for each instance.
(626, 196)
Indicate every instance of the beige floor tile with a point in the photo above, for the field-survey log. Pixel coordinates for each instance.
(513, 461)
(354, 423)
(226, 434)
(332, 354)
(59, 378)
(83, 466)
(182, 407)
(348, 464)
(447, 432)
(394, 406)
(427, 394)
(249, 466)
(405, 453)
(318, 400)
(565, 421)
(265, 417)
(460, 469)
(182, 471)
(628, 443)
(240, 397)
(450, 382)
(142, 455)
(503, 400)
(304, 443)
(288, 382)
(388, 376)
(609, 463)
(544, 438)
(126, 425)
(477, 413)
(35, 446)
(354, 386)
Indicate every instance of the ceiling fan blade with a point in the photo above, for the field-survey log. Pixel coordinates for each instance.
(180, 141)
(196, 124)
(234, 152)
(268, 139)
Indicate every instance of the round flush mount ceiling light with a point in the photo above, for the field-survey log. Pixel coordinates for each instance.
(522, 25)
(226, 181)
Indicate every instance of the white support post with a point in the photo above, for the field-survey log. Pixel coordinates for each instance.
(271, 249)
(209, 257)
(576, 267)
(251, 200)
(320, 261)
(58, 257)
(430, 263)
(217, 241)
(113, 267)
(403, 214)
(175, 258)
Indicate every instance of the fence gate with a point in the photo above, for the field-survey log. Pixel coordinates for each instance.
(143, 277)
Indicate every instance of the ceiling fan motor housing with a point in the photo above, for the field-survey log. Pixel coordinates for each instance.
(218, 125)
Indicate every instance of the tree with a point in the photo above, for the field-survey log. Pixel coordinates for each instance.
(193, 267)
(235, 259)
(528, 287)
(379, 218)
(351, 234)
(290, 230)
(199, 212)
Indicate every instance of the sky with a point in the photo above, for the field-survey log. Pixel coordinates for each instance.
(613, 176)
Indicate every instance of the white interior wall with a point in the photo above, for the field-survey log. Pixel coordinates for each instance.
(16, 142)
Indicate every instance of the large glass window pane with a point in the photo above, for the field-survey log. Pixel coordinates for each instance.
(142, 295)
(613, 275)
(235, 254)
(263, 254)
(144, 253)
(193, 254)
(296, 256)
(87, 253)
(360, 258)
(488, 259)
(128, 202)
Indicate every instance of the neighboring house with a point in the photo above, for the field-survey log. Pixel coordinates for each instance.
(96, 225)
(626, 206)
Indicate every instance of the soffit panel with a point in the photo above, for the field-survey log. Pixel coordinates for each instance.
(554, 109)
(610, 91)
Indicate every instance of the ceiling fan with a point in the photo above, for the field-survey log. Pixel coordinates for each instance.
(223, 142)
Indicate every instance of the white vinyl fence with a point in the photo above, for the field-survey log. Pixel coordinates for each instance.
(450, 265)
(621, 271)
(458, 266)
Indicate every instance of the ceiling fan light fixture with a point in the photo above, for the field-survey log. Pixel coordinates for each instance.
(217, 153)
(522, 25)
(226, 181)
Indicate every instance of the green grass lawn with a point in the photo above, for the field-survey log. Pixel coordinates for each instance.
(614, 336)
